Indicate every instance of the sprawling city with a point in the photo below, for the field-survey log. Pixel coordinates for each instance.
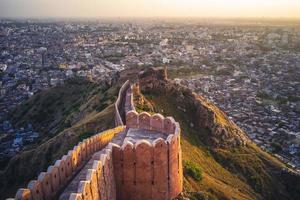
(150, 100)
(250, 70)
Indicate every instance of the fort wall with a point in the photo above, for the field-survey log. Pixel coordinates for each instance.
(119, 104)
(139, 170)
(149, 170)
(50, 183)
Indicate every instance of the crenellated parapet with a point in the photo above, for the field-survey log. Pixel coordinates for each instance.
(140, 160)
(155, 122)
(50, 183)
(120, 104)
(99, 181)
(148, 170)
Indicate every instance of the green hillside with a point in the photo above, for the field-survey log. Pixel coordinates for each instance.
(214, 167)
(65, 115)
(242, 172)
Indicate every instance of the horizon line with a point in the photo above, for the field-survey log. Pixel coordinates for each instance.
(148, 17)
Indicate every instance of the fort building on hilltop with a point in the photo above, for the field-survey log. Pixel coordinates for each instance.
(140, 159)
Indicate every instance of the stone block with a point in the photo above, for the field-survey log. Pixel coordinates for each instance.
(144, 121)
(173, 166)
(83, 149)
(94, 144)
(54, 177)
(84, 188)
(92, 177)
(128, 184)
(106, 184)
(157, 123)
(169, 125)
(68, 162)
(160, 157)
(118, 168)
(97, 166)
(61, 165)
(23, 194)
(89, 148)
(74, 159)
(112, 189)
(132, 119)
(144, 170)
(36, 190)
(77, 151)
(45, 180)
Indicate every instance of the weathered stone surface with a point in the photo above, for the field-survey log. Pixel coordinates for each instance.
(54, 177)
(88, 147)
(83, 149)
(76, 196)
(173, 166)
(84, 188)
(61, 165)
(45, 180)
(74, 159)
(132, 119)
(101, 183)
(92, 177)
(97, 166)
(35, 188)
(160, 157)
(23, 194)
(144, 121)
(107, 183)
(109, 174)
(169, 125)
(157, 123)
(68, 163)
(118, 168)
(77, 151)
(128, 180)
(144, 172)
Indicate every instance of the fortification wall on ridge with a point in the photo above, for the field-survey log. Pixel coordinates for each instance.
(144, 169)
(148, 170)
(50, 183)
(155, 122)
(99, 182)
(119, 104)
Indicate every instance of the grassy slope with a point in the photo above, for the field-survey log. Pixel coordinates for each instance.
(241, 173)
(48, 109)
(93, 113)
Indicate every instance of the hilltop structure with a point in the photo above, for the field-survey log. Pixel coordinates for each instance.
(139, 159)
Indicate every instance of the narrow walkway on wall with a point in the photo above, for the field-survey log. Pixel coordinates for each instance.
(126, 105)
(73, 186)
(138, 159)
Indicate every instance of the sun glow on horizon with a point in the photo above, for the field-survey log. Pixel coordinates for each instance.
(150, 8)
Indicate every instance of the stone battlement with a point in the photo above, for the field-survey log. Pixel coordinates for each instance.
(139, 159)
(50, 183)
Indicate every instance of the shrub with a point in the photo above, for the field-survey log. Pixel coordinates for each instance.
(85, 135)
(191, 169)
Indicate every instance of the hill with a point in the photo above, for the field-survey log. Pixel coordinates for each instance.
(64, 115)
(229, 165)
(220, 162)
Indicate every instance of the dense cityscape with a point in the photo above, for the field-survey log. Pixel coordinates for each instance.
(250, 70)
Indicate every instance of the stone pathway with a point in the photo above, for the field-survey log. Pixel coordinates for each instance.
(73, 186)
(129, 135)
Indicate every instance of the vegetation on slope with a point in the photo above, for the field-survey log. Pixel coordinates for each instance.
(244, 172)
(47, 110)
(88, 108)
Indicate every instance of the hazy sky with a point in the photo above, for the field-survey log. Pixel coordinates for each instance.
(150, 8)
